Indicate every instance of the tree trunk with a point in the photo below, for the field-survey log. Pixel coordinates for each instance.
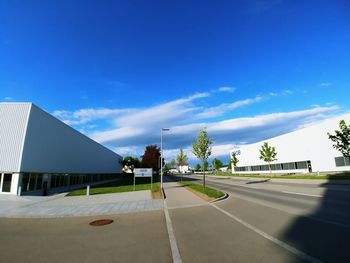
(270, 168)
(203, 176)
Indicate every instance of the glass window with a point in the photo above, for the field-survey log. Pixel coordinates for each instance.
(301, 165)
(32, 179)
(339, 161)
(39, 182)
(6, 184)
(25, 181)
(347, 161)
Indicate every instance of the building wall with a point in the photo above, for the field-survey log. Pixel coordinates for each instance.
(310, 143)
(13, 122)
(54, 147)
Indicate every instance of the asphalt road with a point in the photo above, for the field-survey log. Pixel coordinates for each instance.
(261, 221)
(314, 219)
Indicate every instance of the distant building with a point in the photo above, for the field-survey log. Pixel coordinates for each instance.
(301, 151)
(183, 168)
(39, 153)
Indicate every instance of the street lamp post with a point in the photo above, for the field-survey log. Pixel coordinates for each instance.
(161, 156)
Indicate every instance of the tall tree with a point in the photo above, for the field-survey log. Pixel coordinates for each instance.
(268, 154)
(202, 148)
(181, 158)
(233, 161)
(197, 167)
(342, 139)
(151, 158)
(172, 163)
(217, 164)
(130, 163)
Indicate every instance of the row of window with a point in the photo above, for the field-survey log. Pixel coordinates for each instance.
(275, 166)
(34, 181)
(342, 161)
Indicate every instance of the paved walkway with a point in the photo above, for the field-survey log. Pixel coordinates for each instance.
(178, 196)
(61, 206)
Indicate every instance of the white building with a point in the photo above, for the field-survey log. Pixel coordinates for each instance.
(183, 168)
(39, 153)
(300, 151)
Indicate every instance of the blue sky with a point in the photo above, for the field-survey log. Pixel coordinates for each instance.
(118, 71)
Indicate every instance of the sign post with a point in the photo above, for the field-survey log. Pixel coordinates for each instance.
(143, 172)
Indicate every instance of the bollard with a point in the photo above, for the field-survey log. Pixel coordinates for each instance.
(88, 190)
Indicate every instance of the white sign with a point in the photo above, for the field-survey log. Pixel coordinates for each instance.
(143, 172)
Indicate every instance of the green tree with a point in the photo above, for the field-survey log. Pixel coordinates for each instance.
(217, 164)
(202, 148)
(151, 158)
(181, 158)
(197, 167)
(233, 161)
(268, 154)
(171, 163)
(342, 139)
(130, 163)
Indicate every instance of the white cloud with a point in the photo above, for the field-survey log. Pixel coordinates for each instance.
(130, 130)
(227, 89)
(325, 84)
(8, 98)
(83, 116)
(221, 109)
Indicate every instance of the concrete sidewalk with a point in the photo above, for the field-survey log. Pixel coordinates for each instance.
(178, 196)
(61, 206)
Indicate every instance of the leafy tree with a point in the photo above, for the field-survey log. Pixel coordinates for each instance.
(233, 161)
(202, 149)
(171, 164)
(342, 139)
(151, 157)
(217, 164)
(268, 154)
(131, 162)
(197, 167)
(205, 165)
(181, 158)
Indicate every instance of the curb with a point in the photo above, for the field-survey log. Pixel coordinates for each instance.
(225, 196)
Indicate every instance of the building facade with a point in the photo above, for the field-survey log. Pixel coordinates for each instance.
(39, 153)
(301, 151)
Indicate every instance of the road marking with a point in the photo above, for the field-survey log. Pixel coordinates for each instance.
(278, 242)
(173, 245)
(295, 193)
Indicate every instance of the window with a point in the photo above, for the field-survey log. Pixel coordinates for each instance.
(301, 165)
(342, 161)
(39, 182)
(32, 179)
(6, 183)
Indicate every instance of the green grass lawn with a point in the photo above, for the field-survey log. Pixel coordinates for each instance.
(126, 184)
(331, 176)
(210, 192)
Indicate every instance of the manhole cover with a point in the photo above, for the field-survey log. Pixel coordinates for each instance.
(101, 222)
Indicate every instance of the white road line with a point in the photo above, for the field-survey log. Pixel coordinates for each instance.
(295, 193)
(185, 206)
(278, 242)
(173, 245)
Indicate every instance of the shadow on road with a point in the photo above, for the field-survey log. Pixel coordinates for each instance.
(257, 182)
(324, 233)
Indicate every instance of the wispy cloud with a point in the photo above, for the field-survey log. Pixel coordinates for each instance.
(83, 116)
(325, 84)
(130, 130)
(226, 89)
(8, 99)
(221, 109)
